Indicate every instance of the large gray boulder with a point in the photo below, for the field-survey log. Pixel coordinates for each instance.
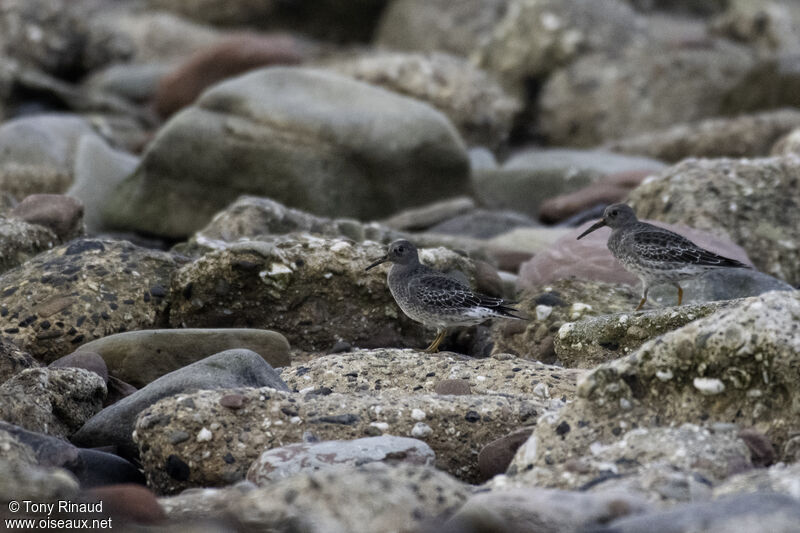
(307, 138)
(737, 366)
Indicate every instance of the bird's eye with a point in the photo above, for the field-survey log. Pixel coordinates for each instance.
(400, 249)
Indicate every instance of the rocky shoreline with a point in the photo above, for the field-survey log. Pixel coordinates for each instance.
(189, 196)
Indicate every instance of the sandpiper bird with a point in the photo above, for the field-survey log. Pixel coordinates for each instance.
(656, 255)
(435, 298)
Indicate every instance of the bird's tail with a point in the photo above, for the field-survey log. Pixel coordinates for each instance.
(503, 308)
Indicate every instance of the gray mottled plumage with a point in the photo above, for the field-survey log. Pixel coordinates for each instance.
(656, 255)
(435, 298)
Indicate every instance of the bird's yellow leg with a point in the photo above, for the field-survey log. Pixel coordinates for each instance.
(434, 347)
(644, 299)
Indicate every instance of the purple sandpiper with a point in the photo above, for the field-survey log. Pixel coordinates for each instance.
(435, 298)
(656, 255)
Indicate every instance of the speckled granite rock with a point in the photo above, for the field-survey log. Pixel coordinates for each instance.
(593, 340)
(20, 240)
(251, 217)
(204, 443)
(413, 372)
(780, 478)
(114, 425)
(306, 457)
(711, 454)
(312, 290)
(542, 510)
(743, 136)
(550, 307)
(322, 502)
(80, 291)
(536, 36)
(738, 365)
(13, 360)
(140, 357)
(475, 103)
(53, 401)
(757, 210)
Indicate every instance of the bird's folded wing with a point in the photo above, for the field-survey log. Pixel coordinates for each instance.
(671, 247)
(443, 291)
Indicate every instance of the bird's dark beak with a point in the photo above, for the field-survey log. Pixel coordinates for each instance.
(597, 225)
(378, 262)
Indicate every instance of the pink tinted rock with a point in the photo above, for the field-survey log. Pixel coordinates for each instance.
(231, 56)
(607, 190)
(62, 214)
(590, 259)
(87, 360)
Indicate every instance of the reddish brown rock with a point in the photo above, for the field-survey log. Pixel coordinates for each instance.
(57, 212)
(590, 259)
(608, 190)
(495, 457)
(128, 503)
(229, 57)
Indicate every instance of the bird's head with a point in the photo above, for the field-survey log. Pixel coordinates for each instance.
(614, 216)
(400, 252)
